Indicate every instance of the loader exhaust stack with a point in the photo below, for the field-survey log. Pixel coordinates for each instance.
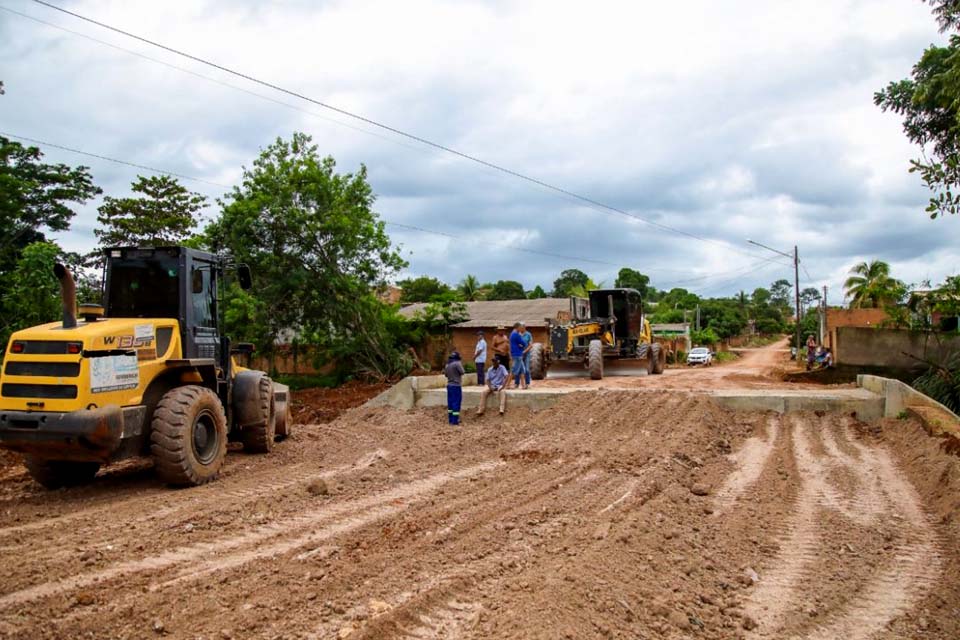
(68, 294)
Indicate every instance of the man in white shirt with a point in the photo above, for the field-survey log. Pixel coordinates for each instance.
(480, 357)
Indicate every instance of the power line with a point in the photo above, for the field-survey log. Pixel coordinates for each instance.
(226, 187)
(108, 159)
(388, 222)
(208, 78)
(516, 174)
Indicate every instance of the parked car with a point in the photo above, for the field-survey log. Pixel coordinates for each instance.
(700, 355)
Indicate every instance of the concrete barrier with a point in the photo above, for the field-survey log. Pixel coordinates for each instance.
(534, 399)
(404, 394)
(898, 396)
(875, 397)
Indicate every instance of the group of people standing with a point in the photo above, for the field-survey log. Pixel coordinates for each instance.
(511, 351)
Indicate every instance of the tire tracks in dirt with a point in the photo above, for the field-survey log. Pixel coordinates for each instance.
(750, 461)
(248, 546)
(254, 486)
(878, 491)
(206, 499)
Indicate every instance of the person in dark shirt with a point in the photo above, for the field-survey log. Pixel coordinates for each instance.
(454, 372)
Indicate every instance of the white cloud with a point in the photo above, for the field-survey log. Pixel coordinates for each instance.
(727, 120)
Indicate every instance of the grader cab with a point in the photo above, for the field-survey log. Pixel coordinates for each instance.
(149, 373)
(607, 327)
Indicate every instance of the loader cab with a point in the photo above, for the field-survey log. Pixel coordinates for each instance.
(168, 282)
(627, 309)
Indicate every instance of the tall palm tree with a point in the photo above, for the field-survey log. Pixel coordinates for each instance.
(469, 288)
(870, 285)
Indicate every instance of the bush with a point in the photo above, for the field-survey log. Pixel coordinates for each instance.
(725, 356)
(470, 367)
(942, 383)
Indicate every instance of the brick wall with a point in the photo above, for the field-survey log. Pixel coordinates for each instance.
(837, 318)
(465, 340)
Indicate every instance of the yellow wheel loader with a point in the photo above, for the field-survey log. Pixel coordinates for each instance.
(149, 373)
(607, 327)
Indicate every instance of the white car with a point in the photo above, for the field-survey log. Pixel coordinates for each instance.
(700, 355)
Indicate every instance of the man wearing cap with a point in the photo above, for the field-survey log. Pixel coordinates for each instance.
(454, 373)
(480, 356)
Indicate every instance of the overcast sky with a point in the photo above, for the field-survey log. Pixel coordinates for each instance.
(727, 120)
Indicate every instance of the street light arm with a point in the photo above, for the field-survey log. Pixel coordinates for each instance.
(786, 255)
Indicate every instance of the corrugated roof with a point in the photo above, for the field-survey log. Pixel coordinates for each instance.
(490, 313)
(679, 327)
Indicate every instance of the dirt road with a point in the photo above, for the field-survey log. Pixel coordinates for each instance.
(610, 515)
(754, 369)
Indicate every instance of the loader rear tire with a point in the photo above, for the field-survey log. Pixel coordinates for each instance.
(659, 357)
(259, 437)
(595, 359)
(54, 474)
(538, 370)
(188, 436)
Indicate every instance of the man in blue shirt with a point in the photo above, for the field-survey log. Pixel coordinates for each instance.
(496, 383)
(517, 347)
(528, 345)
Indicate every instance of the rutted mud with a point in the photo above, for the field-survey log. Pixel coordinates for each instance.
(611, 514)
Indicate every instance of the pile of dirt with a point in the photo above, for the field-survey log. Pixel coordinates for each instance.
(322, 405)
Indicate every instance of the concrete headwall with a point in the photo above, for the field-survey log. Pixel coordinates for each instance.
(898, 396)
(888, 348)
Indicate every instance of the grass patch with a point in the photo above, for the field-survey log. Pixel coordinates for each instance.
(725, 356)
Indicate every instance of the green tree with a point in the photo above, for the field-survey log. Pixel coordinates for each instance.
(871, 286)
(780, 294)
(536, 293)
(35, 198)
(631, 279)
(929, 102)
(164, 213)
(31, 293)
(568, 280)
(318, 252)
(469, 288)
(808, 297)
(421, 289)
(507, 290)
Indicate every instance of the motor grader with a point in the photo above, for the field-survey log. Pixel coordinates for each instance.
(608, 326)
(148, 373)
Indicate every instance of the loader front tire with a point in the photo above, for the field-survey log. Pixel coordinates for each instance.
(188, 436)
(538, 369)
(595, 359)
(55, 474)
(645, 353)
(259, 438)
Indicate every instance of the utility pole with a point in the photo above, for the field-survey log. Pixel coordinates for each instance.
(796, 290)
(796, 281)
(823, 318)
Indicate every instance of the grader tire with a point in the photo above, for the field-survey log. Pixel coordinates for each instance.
(659, 357)
(595, 360)
(188, 436)
(538, 369)
(259, 437)
(54, 474)
(645, 353)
